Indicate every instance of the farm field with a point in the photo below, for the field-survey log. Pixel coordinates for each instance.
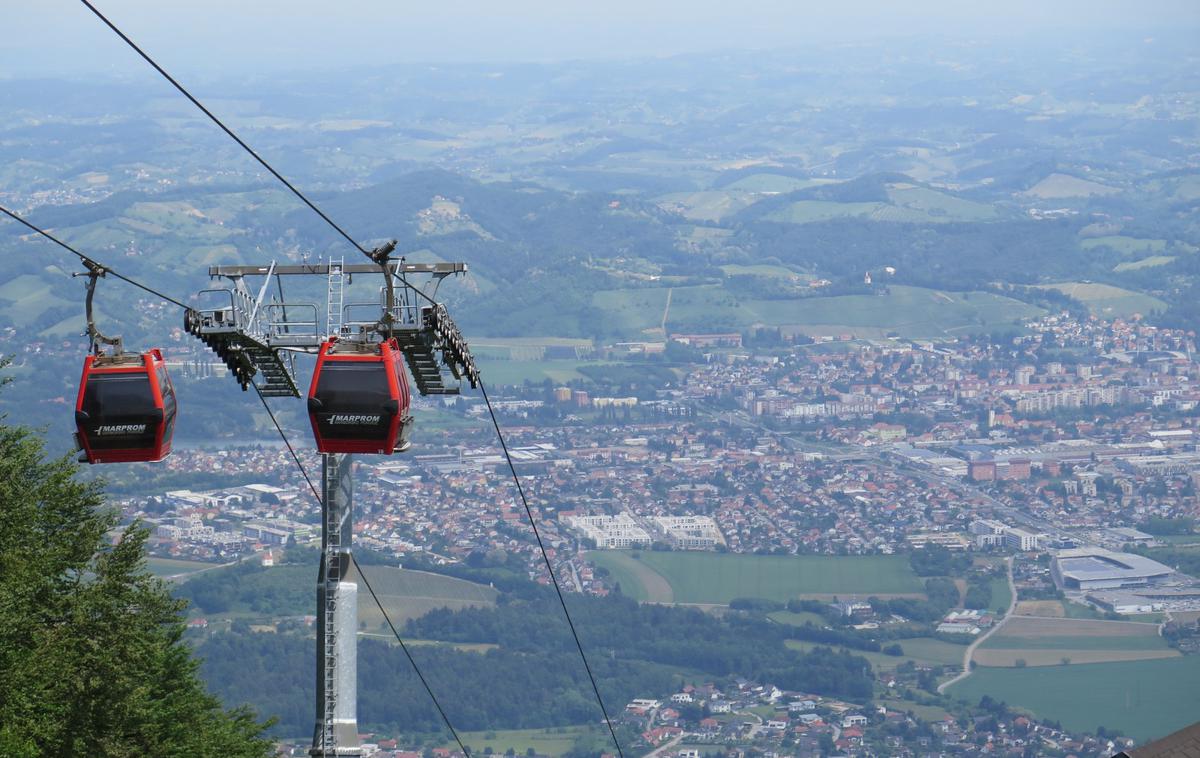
(1107, 301)
(1127, 245)
(1144, 699)
(921, 650)
(500, 372)
(636, 578)
(1043, 608)
(172, 567)
(411, 594)
(702, 578)
(1001, 594)
(553, 741)
(797, 619)
(1047, 641)
(908, 311)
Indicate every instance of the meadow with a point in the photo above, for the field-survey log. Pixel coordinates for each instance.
(1048, 641)
(717, 578)
(1144, 699)
(410, 594)
(915, 312)
(1107, 301)
(552, 741)
(173, 567)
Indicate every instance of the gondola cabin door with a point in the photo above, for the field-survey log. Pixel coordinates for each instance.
(125, 411)
(359, 398)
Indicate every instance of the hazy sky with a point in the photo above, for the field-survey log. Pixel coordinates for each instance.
(62, 37)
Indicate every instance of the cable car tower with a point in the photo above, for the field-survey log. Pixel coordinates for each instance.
(258, 336)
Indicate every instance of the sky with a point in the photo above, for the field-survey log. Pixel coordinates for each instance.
(61, 37)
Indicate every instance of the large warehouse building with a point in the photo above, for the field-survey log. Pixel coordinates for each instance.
(1098, 569)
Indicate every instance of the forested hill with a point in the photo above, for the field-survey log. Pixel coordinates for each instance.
(515, 665)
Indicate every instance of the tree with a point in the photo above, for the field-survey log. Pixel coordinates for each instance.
(92, 661)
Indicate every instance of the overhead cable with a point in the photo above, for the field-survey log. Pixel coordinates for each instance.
(550, 568)
(93, 261)
(183, 90)
(242, 143)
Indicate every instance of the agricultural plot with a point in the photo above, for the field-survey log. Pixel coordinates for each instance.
(170, 568)
(710, 205)
(411, 594)
(1063, 185)
(1126, 245)
(924, 651)
(1050, 641)
(1144, 699)
(554, 741)
(717, 578)
(1107, 301)
(1043, 608)
(637, 579)
(914, 312)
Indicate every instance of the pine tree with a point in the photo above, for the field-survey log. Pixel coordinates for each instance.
(92, 661)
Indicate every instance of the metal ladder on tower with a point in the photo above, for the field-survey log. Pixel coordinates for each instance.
(335, 298)
(333, 571)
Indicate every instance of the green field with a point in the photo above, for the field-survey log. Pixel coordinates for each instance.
(1047, 641)
(768, 182)
(169, 567)
(1001, 594)
(411, 594)
(798, 619)
(908, 311)
(498, 372)
(1127, 245)
(717, 578)
(1144, 699)
(1106, 301)
(553, 741)
(1148, 262)
(920, 650)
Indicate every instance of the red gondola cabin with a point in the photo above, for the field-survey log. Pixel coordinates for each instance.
(359, 398)
(125, 412)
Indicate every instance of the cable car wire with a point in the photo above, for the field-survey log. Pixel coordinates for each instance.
(226, 129)
(93, 261)
(242, 143)
(362, 575)
(491, 410)
(550, 568)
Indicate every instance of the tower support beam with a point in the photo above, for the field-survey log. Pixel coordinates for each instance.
(336, 730)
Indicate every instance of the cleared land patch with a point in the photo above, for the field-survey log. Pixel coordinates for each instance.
(411, 594)
(1108, 301)
(1065, 185)
(1044, 608)
(1047, 641)
(172, 567)
(1144, 699)
(637, 579)
(699, 577)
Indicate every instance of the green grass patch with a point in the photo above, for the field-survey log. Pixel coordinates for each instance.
(932, 652)
(411, 594)
(914, 312)
(551, 741)
(1126, 245)
(1144, 699)
(1107, 301)
(1002, 641)
(498, 372)
(700, 577)
(1001, 594)
(1080, 611)
(767, 182)
(166, 567)
(1149, 262)
(798, 619)
(939, 205)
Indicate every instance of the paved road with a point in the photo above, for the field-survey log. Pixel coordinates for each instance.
(1012, 604)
